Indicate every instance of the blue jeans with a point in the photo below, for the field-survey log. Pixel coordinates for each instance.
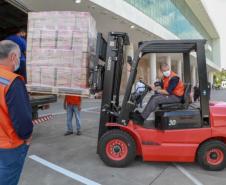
(70, 110)
(11, 164)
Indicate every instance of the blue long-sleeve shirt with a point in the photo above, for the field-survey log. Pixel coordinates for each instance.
(21, 42)
(20, 109)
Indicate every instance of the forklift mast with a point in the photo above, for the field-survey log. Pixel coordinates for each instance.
(112, 75)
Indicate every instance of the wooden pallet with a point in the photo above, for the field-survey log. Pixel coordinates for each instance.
(83, 92)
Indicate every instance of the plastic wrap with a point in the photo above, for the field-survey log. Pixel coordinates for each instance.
(59, 48)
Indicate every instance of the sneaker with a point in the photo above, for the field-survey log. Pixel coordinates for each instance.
(78, 133)
(68, 133)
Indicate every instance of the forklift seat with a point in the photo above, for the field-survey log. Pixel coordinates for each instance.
(181, 105)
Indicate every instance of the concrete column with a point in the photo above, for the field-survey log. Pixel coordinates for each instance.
(210, 77)
(152, 63)
(168, 61)
(179, 68)
(129, 52)
(193, 75)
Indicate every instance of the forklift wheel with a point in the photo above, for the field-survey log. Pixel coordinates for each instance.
(117, 148)
(212, 155)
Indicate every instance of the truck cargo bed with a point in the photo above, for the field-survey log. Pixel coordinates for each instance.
(40, 99)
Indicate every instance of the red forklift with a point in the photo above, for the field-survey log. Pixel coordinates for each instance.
(181, 132)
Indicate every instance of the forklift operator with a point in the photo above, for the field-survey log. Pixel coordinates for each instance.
(172, 91)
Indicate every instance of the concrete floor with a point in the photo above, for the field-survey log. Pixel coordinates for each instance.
(78, 155)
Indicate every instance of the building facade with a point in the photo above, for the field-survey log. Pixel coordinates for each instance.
(181, 18)
(148, 20)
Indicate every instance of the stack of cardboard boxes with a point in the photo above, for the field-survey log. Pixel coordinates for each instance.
(59, 49)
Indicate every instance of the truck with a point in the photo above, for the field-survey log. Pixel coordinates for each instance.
(14, 18)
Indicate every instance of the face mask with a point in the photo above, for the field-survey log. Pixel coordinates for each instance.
(166, 73)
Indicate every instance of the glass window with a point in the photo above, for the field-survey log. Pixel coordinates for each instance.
(168, 15)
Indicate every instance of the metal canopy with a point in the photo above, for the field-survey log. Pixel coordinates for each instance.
(173, 46)
(169, 46)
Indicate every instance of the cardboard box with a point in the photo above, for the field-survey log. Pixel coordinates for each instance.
(59, 49)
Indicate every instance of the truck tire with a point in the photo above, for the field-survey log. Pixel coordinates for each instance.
(212, 155)
(117, 148)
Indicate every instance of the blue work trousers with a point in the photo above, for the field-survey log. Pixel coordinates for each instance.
(73, 109)
(11, 164)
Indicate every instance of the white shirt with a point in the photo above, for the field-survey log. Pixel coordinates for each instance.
(140, 87)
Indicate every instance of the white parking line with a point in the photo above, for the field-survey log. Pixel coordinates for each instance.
(59, 113)
(187, 174)
(90, 108)
(63, 171)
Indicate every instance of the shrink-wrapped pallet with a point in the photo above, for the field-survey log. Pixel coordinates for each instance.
(59, 49)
